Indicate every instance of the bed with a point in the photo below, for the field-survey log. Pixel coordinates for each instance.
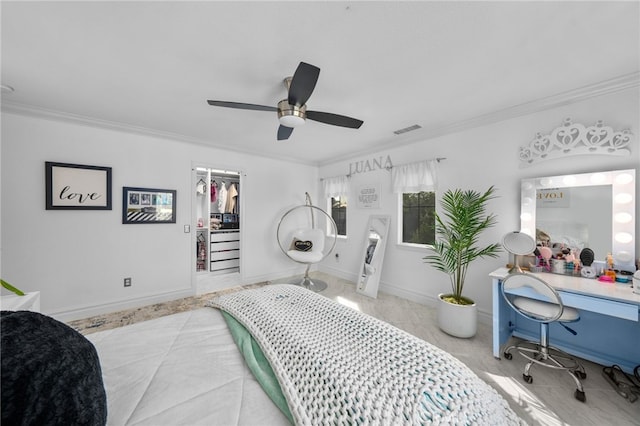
(281, 354)
(180, 369)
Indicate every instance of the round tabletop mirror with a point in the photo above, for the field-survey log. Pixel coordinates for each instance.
(518, 244)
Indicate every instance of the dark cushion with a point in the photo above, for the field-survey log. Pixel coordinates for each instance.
(300, 245)
(51, 374)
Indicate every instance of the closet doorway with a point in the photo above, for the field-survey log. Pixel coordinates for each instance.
(216, 219)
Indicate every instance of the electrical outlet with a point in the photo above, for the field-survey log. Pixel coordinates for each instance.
(127, 282)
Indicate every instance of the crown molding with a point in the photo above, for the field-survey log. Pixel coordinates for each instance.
(606, 87)
(613, 85)
(32, 111)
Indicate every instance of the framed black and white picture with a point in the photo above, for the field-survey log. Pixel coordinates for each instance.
(77, 187)
(147, 205)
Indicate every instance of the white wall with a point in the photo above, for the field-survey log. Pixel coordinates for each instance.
(476, 159)
(78, 259)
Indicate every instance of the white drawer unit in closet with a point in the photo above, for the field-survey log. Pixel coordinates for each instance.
(225, 245)
(224, 255)
(225, 250)
(221, 265)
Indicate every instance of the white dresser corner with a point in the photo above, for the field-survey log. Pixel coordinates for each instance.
(29, 302)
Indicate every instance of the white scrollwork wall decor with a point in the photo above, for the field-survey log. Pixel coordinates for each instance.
(576, 139)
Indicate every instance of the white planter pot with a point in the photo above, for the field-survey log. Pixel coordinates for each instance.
(457, 320)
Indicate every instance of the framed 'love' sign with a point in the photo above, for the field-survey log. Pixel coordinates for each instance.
(75, 186)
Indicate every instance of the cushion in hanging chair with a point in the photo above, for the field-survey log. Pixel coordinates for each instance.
(313, 254)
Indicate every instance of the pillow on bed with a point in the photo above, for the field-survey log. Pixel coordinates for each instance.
(51, 374)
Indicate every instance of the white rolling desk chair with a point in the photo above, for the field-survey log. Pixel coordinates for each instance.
(536, 300)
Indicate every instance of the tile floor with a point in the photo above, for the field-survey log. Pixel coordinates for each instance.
(547, 401)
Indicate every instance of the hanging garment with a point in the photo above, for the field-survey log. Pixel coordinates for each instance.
(201, 187)
(231, 198)
(222, 197)
(214, 191)
(236, 207)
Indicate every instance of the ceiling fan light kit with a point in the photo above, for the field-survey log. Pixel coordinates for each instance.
(291, 115)
(292, 112)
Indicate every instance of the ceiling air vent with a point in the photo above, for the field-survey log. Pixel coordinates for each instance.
(407, 129)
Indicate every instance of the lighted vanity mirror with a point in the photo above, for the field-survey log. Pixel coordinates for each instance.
(595, 210)
(373, 255)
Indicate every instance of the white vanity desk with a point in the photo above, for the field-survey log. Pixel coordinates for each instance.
(608, 331)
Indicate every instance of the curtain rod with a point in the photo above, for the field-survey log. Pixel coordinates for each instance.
(388, 168)
(438, 159)
(329, 177)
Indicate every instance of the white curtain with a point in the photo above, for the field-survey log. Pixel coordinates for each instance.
(415, 177)
(337, 186)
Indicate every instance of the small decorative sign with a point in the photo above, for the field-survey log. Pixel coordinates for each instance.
(369, 196)
(145, 205)
(75, 186)
(553, 198)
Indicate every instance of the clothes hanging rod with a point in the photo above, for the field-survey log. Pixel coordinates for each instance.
(224, 172)
(219, 172)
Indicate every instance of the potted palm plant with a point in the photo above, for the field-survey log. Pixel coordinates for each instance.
(458, 228)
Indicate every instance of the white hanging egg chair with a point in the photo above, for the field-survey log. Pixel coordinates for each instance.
(307, 234)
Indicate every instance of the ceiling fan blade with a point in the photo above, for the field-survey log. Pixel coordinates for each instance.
(284, 132)
(302, 83)
(240, 105)
(334, 119)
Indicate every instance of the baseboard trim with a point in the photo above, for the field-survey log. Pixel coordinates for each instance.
(291, 272)
(202, 288)
(385, 287)
(338, 273)
(484, 316)
(107, 308)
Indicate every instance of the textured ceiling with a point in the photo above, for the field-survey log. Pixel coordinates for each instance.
(151, 66)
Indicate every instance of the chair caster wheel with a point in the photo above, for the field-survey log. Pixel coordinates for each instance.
(580, 374)
(507, 355)
(580, 396)
(528, 379)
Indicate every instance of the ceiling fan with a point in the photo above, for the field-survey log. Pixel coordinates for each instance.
(292, 112)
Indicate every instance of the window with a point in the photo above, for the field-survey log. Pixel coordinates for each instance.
(415, 184)
(418, 217)
(339, 214)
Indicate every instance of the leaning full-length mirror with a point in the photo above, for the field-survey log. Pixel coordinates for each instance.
(594, 210)
(373, 255)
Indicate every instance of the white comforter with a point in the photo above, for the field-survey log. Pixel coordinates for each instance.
(182, 369)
